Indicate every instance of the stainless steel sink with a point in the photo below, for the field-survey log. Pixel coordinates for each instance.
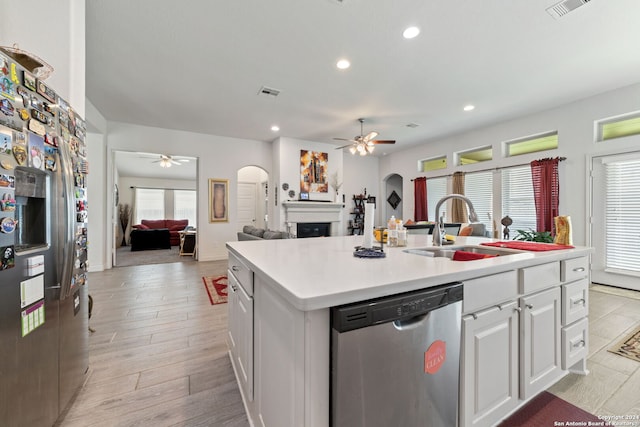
(447, 252)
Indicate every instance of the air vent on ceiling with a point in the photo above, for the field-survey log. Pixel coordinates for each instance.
(269, 91)
(412, 125)
(558, 10)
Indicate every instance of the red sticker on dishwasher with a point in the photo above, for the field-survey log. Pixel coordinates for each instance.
(435, 356)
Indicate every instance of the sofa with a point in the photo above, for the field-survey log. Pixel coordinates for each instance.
(250, 232)
(173, 225)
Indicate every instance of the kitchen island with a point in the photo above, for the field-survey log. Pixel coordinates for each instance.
(281, 293)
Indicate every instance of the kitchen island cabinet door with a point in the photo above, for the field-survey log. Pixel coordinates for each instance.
(240, 336)
(541, 351)
(489, 386)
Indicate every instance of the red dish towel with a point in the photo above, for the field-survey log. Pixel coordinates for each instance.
(469, 256)
(528, 246)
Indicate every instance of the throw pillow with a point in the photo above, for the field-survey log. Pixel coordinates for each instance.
(248, 229)
(258, 232)
(272, 235)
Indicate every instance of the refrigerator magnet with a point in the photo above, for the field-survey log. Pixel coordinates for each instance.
(29, 80)
(7, 259)
(7, 181)
(44, 90)
(6, 107)
(6, 165)
(20, 154)
(8, 225)
(8, 203)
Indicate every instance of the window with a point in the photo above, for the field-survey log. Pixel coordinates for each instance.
(149, 204)
(619, 127)
(517, 199)
(478, 187)
(474, 156)
(185, 205)
(622, 215)
(436, 190)
(433, 164)
(542, 142)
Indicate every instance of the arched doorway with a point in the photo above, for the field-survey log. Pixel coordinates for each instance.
(393, 196)
(252, 196)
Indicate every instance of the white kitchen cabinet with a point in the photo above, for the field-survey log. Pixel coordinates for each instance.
(489, 367)
(540, 341)
(240, 336)
(575, 309)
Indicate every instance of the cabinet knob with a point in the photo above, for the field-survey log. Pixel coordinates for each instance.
(518, 309)
(581, 301)
(529, 306)
(235, 268)
(233, 288)
(578, 269)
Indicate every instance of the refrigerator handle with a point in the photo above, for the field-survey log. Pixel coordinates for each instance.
(68, 222)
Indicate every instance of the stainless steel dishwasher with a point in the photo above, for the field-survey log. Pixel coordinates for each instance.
(395, 361)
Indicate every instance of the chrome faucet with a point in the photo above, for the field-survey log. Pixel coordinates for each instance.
(438, 228)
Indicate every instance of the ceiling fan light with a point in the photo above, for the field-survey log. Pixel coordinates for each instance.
(363, 153)
(353, 149)
(370, 148)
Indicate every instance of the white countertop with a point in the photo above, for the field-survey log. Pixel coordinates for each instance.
(319, 273)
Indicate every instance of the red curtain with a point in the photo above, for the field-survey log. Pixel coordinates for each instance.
(546, 192)
(420, 198)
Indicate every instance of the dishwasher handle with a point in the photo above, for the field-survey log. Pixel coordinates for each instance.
(411, 323)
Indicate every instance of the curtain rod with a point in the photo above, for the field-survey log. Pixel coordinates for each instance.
(163, 188)
(560, 159)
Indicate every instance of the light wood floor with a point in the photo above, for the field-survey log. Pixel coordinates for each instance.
(158, 356)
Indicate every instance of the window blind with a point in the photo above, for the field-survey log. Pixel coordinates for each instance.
(185, 205)
(436, 190)
(478, 187)
(517, 199)
(149, 204)
(622, 212)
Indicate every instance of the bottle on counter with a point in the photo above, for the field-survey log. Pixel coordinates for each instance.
(402, 234)
(392, 234)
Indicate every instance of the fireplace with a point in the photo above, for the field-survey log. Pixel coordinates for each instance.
(313, 229)
(302, 214)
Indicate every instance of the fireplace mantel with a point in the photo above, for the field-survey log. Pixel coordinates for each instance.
(300, 212)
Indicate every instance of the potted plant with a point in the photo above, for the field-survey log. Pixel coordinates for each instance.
(534, 236)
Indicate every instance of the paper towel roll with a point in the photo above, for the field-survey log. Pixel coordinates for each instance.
(369, 211)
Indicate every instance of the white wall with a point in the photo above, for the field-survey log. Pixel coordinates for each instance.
(575, 125)
(96, 199)
(218, 157)
(287, 151)
(359, 173)
(54, 31)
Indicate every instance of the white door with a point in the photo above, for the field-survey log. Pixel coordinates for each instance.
(246, 204)
(615, 220)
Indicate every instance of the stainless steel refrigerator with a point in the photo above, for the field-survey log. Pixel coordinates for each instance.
(43, 248)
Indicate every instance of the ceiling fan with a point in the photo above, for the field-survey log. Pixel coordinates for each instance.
(363, 144)
(166, 161)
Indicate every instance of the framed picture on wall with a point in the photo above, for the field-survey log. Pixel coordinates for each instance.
(218, 200)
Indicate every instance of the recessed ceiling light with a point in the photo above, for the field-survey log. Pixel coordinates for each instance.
(411, 32)
(469, 107)
(275, 128)
(343, 64)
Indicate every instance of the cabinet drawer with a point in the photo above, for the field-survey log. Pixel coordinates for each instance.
(242, 273)
(489, 290)
(575, 343)
(575, 301)
(539, 277)
(574, 269)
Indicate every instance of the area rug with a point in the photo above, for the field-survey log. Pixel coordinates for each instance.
(216, 287)
(547, 410)
(629, 346)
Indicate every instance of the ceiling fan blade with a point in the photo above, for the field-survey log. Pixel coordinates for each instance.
(383, 141)
(175, 163)
(369, 136)
(344, 146)
(344, 139)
